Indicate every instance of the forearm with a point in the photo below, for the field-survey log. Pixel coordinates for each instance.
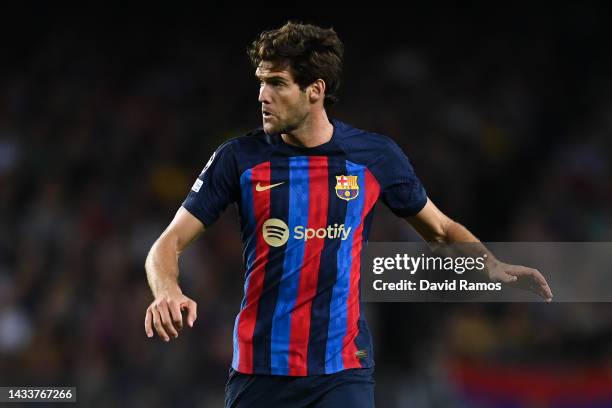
(439, 231)
(162, 266)
(456, 233)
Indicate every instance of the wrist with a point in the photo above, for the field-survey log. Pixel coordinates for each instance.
(491, 265)
(168, 290)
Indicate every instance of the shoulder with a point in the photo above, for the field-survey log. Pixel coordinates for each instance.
(358, 142)
(247, 150)
(253, 138)
(351, 136)
(252, 143)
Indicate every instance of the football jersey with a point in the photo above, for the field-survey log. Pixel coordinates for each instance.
(305, 215)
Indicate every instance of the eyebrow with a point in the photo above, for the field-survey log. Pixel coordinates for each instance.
(271, 78)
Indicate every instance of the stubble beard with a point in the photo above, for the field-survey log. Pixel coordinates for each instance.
(285, 126)
(291, 123)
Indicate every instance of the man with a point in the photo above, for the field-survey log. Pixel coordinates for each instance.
(305, 187)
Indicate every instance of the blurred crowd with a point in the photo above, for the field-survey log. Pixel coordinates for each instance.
(103, 132)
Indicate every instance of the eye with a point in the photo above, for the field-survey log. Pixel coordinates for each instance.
(273, 82)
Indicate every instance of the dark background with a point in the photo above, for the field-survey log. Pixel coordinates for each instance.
(108, 114)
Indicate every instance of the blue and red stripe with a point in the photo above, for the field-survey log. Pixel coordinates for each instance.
(301, 310)
(279, 205)
(248, 231)
(248, 315)
(336, 214)
(344, 305)
(294, 256)
(372, 189)
(337, 307)
(307, 289)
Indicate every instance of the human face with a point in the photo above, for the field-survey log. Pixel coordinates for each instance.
(284, 106)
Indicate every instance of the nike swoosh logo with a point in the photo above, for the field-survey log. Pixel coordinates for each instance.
(259, 187)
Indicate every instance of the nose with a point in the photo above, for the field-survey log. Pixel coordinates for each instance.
(264, 95)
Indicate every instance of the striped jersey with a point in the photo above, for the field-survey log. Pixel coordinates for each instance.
(305, 215)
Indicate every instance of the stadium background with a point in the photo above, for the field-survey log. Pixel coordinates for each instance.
(107, 115)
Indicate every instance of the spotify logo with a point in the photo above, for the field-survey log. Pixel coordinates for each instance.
(275, 232)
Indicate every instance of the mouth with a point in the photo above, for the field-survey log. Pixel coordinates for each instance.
(265, 113)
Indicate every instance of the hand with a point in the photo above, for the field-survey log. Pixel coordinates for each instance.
(521, 277)
(164, 313)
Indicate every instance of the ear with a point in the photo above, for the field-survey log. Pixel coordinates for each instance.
(316, 91)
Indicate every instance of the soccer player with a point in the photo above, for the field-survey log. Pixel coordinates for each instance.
(305, 186)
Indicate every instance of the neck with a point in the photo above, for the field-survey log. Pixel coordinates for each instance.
(315, 131)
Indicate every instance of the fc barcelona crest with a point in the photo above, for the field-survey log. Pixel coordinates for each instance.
(347, 187)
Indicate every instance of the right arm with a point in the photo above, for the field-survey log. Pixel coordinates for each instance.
(164, 313)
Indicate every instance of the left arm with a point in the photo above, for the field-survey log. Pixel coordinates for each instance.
(435, 227)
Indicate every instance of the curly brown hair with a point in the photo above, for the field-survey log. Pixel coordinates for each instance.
(310, 52)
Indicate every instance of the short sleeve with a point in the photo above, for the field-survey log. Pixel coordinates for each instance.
(216, 187)
(401, 189)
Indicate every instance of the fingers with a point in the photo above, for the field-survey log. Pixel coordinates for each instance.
(166, 317)
(546, 293)
(542, 285)
(147, 323)
(163, 309)
(175, 314)
(157, 323)
(192, 312)
(537, 283)
(539, 286)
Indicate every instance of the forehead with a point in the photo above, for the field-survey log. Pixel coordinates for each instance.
(267, 69)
